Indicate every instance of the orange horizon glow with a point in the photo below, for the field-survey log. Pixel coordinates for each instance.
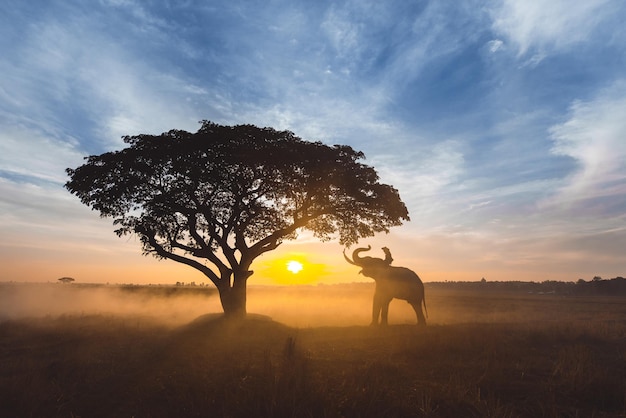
(293, 268)
(109, 259)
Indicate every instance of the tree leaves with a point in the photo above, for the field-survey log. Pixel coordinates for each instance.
(228, 194)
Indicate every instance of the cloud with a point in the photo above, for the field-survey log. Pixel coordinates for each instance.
(48, 213)
(593, 136)
(439, 30)
(29, 153)
(73, 92)
(432, 92)
(342, 31)
(428, 179)
(494, 45)
(557, 24)
(75, 70)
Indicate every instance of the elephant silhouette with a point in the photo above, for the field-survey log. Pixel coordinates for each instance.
(391, 282)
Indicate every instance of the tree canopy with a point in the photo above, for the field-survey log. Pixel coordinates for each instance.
(227, 194)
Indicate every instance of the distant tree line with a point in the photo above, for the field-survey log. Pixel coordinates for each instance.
(596, 286)
(615, 286)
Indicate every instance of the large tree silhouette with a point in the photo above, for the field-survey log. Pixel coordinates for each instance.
(217, 199)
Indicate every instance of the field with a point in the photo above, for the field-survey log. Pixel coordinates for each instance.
(99, 351)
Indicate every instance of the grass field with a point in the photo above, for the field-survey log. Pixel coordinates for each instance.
(72, 351)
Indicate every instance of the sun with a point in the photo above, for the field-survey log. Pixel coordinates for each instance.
(294, 266)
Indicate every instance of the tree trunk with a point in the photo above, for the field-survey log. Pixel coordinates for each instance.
(234, 297)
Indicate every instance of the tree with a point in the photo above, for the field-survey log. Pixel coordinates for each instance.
(219, 198)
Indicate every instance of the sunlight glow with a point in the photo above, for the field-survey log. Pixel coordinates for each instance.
(294, 266)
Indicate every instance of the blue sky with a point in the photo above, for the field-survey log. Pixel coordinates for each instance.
(502, 123)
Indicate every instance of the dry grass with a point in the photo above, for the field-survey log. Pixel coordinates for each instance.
(505, 356)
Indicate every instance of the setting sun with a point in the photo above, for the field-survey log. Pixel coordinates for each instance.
(294, 266)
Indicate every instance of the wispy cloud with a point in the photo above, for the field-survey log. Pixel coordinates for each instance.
(50, 214)
(487, 116)
(29, 153)
(593, 135)
(67, 67)
(546, 26)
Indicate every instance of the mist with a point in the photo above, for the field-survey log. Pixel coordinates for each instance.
(340, 305)
(25, 300)
(294, 306)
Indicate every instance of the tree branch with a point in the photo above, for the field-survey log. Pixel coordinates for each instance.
(158, 248)
(207, 252)
(271, 242)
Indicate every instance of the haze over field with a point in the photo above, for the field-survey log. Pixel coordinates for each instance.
(84, 350)
(294, 306)
(500, 123)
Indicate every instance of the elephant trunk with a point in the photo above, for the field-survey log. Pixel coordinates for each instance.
(347, 259)
(356, 259)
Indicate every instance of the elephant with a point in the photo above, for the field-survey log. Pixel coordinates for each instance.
(391, 282)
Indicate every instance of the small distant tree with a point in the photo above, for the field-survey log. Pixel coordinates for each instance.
(66, 280)
(219, 198)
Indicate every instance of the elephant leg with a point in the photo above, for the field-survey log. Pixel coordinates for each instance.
(417, 307)
(376, 306)
(385, 312)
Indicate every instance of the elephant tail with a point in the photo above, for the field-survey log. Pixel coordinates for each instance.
(424, 302)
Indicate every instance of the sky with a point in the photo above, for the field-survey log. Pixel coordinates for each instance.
(501, 123)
